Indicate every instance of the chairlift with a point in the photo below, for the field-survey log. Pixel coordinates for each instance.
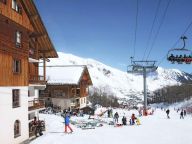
(180, 55)
(129, 69)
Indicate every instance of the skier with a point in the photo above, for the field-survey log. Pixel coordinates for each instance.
(116, 117)
(132, 120)
(108, 113)
(181, 115)
(124, 120)
(67, 122)
(184, 112)
(140, 112)
(167, 112)
(111, 113)
(138, 122)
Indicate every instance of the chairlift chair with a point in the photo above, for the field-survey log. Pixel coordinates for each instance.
(180, 55)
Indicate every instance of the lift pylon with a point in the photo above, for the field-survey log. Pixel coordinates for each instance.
(143, 67)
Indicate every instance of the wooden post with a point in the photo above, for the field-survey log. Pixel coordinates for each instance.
(44, 67)
(37, 48)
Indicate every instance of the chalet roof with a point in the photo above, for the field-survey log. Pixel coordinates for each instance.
(65, 75)
(46, 47)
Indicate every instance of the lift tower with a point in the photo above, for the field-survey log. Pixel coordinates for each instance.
(142, 67)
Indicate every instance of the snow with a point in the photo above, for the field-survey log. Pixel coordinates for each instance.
(64, 75)
(110, 80)
(154, 129)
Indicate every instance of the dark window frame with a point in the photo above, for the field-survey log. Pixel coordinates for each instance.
(16, 67)
(18, 39)
(15, 98)
(17, 128)
(16, 7)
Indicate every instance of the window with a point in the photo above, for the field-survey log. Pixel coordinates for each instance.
(16, 66)
(78, 92)
(15, 98)
(31, 116)
(3, 1)
(17, 129)
(18, 39)
(31, 92)
(59, 93)
(16, 7)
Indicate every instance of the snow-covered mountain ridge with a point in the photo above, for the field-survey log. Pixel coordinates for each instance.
(119, 83)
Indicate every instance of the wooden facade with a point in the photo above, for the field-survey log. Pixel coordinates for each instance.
(22, 36)
(20, 18)
(71, 92)
(10, 22)
(24, 41)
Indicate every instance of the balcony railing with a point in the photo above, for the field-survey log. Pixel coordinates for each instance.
(34, 79)
(75, 105)
(36, 104)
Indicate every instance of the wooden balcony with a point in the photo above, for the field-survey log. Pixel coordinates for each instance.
(36, 104)
(75, 105)
(36, 79)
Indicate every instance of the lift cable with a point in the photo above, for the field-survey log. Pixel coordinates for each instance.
(150, 34)
(136, 25)
(156, 35)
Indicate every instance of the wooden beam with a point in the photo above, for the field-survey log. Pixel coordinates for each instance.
(45, 51)
(33, 16)
(37, 35)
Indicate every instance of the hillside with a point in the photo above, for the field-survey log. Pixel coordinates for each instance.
(119, 83)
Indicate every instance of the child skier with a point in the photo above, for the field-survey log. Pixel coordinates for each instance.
(67, 122)
(138, 122)
(132, 120)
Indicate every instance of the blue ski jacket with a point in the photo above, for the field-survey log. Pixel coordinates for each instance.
(67, 120)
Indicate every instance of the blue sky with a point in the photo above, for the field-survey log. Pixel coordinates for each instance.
(105, 29)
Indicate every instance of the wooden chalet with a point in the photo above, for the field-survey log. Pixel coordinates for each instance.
(24, 42)
(67, 87)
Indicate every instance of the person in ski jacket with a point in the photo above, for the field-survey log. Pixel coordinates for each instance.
(124, 120)
(181, 115)
(138, 122)
(108, 113)
(167, 112)
(67, 122)
(116, 117)
(184, 112)
(133, 118)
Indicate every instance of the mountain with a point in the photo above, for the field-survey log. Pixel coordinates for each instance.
(119, 83)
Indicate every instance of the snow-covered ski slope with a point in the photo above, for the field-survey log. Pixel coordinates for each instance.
(155, 129)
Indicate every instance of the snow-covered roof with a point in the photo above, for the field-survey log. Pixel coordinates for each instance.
(64, 75)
